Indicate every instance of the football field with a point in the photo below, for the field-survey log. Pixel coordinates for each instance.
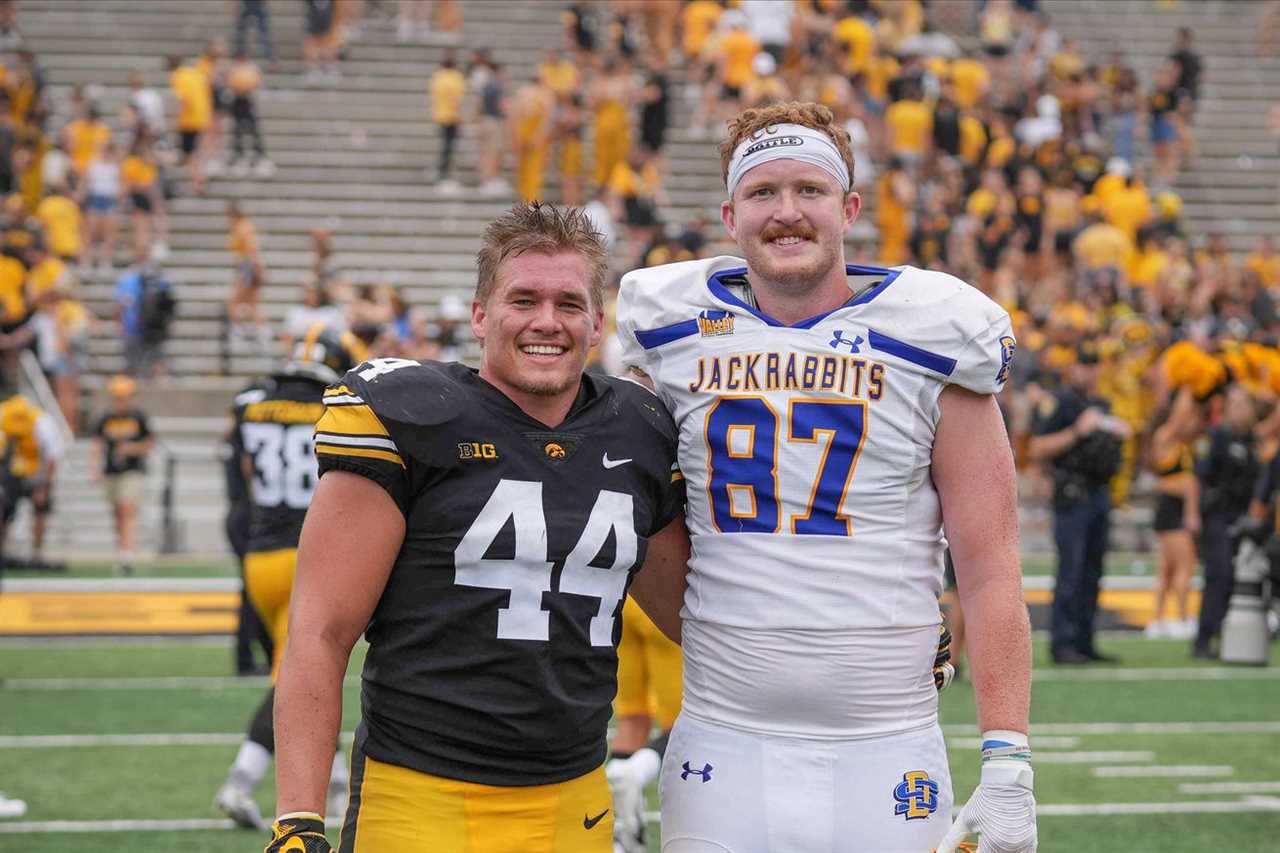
(118, 746)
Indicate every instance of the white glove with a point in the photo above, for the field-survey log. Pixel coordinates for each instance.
(1002, 809)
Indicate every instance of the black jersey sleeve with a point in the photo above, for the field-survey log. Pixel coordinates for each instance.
(352, 436)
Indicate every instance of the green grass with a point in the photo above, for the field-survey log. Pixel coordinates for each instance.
(164, 566)
(1117, 563)
(177, 782)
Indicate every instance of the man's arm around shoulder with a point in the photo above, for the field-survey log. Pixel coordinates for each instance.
(660, 584)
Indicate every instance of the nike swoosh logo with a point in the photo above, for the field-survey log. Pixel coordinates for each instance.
(589, 822)
(612, 463)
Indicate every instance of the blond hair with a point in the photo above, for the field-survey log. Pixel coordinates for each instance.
(546, 230)
(815, 116)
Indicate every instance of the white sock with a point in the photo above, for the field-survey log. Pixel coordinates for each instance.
(250, 765)
(338, 772)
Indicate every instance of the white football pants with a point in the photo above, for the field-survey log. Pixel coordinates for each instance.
(727, 791)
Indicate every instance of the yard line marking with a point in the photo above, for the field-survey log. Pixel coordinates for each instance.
(210, 584)
(1253, 804)
(1260, 804)
(1083, 729)
(112, 825)
(223, 682)
(1183, 673)
(1095, 757)
(1229, 788)
(91, 642)
(174, 682)
(148, 739)
(199, 824)
(1163, 770)
(1041, 743)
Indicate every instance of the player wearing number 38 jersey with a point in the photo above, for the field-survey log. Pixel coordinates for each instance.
(835, 422)
(274, 420)
(482, 529)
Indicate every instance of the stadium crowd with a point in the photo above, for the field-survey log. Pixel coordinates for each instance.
(1020, 163)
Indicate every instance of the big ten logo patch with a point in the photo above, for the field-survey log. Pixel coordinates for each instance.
(469, 450)
(916, 796)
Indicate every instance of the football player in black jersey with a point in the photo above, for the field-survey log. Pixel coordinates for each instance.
(482, 529)
(274, 421)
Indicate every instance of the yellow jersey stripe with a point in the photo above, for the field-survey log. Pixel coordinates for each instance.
(676, 476)
(351, 420)
(361, 452)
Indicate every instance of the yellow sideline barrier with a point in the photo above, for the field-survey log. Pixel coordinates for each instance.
(214, 612)
(143, 612)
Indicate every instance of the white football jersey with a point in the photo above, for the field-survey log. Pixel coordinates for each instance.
(807, 451)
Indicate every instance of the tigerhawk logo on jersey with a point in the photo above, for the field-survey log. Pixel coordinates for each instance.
(916, 796)
(713, 323)
(468, 450)
(555, 446)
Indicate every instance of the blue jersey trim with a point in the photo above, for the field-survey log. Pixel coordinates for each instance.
(651, 338)
(915, 355)
(723, 293)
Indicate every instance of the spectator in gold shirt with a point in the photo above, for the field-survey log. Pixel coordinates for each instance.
(195, 116)
(1264, 262)
(448, 88)
(60, 217)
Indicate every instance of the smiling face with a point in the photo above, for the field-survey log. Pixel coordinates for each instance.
(537, 326)
(789, 218)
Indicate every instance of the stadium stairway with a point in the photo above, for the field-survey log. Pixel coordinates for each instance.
(357, 155)
(1231, 184)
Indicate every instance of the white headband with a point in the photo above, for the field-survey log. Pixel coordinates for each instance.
(791, 142)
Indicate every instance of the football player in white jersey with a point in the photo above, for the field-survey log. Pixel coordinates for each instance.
(838, 429)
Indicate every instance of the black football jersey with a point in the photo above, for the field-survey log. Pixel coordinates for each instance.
(274, 424)
(492, 652)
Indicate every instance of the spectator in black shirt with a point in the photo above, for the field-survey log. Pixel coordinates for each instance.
(946, 124)
(1227, 474)
(1189, 64)
(654, 112)
(1166, 122)
(249, 627)
(122, 442)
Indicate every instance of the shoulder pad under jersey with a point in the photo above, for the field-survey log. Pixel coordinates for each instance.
(654, 299)
(632, 399)
(423, 393)
(969, 334)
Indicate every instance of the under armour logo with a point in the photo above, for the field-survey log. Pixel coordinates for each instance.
(840, 339)
(705, 772)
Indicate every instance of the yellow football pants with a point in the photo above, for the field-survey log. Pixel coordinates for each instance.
(398, 810)
(268, 581)
(650, 670)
